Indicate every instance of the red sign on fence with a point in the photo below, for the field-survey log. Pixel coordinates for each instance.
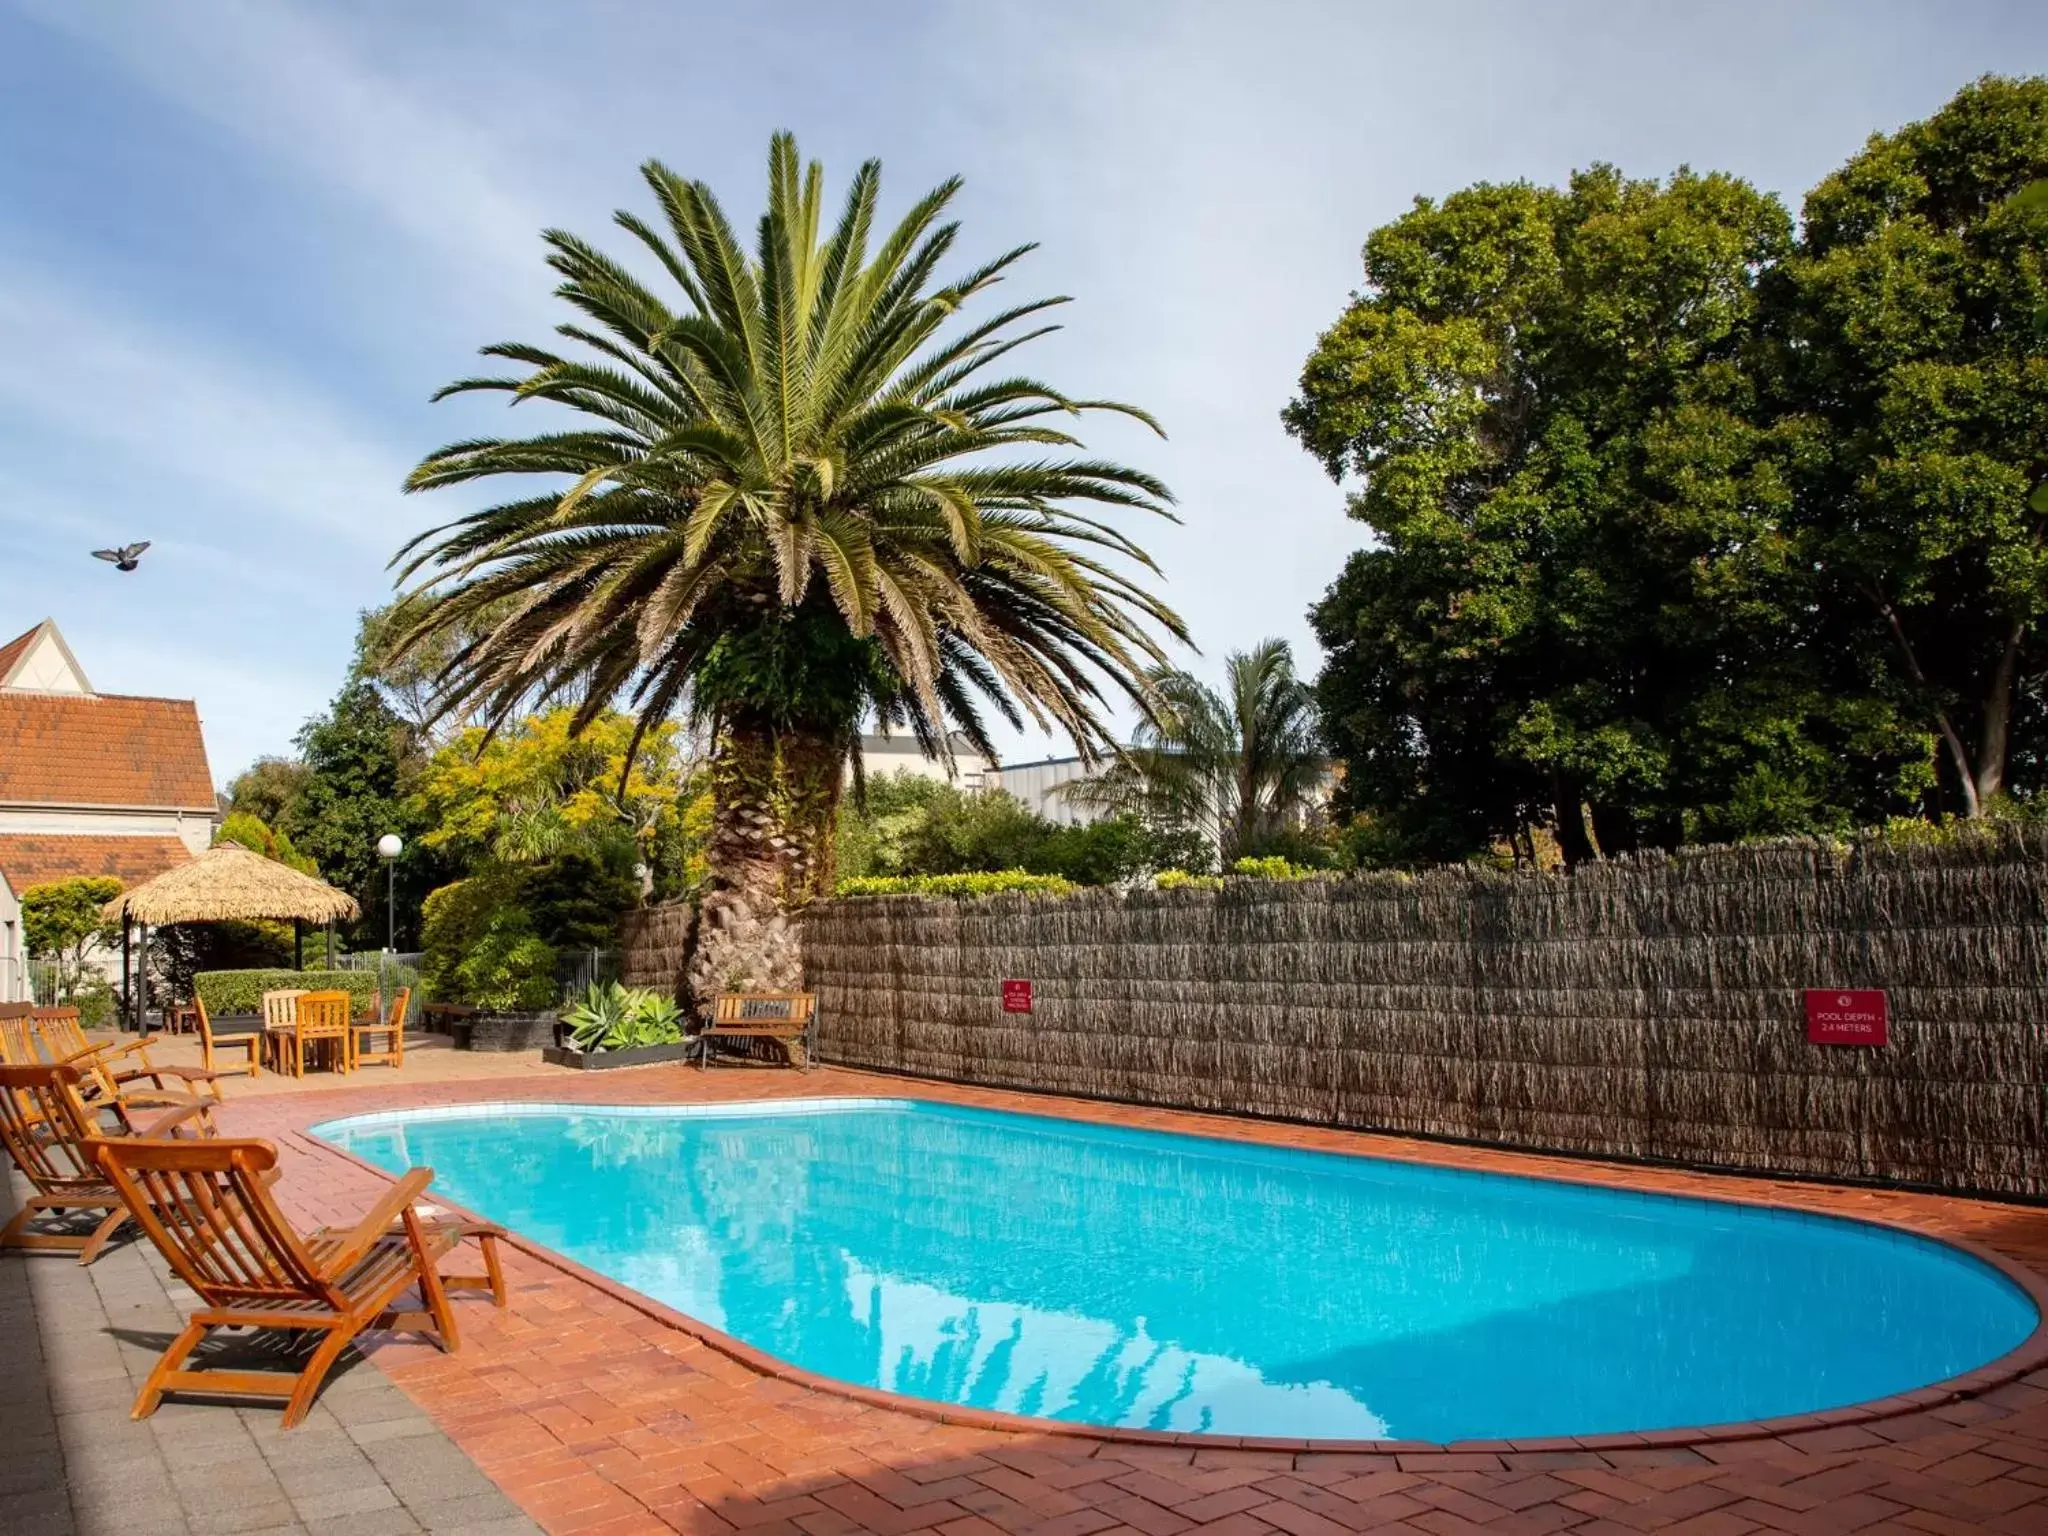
(1016, 997)
(1846, 1018)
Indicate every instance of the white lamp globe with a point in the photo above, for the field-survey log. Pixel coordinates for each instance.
(390, 845)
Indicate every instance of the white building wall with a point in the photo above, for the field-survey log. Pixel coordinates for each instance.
(13, 959)
(882, 755)
(1037, 785)
(193, 828)
(46, 667)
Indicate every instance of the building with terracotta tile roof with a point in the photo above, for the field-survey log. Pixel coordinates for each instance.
(90, 783)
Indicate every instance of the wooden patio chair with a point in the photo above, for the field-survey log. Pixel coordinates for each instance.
(280, 1021)
(250, 1047)
(322, 1023)
(208, 1207)
(389, 1033)
(118, 1068)
(49, 1131)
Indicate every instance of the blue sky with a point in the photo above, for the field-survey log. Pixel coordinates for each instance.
(241, 241)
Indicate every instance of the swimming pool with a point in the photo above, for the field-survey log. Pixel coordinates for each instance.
(1142, 1279)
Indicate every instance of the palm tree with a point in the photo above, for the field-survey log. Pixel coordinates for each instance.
(793, 501)
(1238, 766)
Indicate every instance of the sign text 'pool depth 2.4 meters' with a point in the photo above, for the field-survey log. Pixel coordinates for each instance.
(1846, 1017)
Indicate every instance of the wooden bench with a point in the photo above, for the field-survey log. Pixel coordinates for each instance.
(442, 1018)
(784, 1018)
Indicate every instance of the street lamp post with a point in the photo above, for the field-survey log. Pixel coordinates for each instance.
(389, 847)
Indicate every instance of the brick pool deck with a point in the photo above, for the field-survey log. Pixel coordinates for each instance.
(596, 1412)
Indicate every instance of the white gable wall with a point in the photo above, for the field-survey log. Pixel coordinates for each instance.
(47, 666)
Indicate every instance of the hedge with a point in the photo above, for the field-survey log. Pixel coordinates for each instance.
(976, 883)
(226, 992)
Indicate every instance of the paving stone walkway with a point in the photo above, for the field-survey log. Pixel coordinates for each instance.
(366, 1462)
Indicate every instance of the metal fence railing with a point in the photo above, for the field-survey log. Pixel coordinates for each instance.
(584, 968)
(379, 959)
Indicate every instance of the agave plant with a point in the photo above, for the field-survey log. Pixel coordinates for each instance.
(611, 1017)
(791, 497)
(603, 1007)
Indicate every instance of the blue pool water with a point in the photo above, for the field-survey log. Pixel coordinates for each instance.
(1135, 1278)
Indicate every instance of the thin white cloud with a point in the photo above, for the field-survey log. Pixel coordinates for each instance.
(215, 432)
(283, 82)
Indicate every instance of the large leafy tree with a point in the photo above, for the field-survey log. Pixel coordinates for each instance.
(361, 761)
(1582, 607)
(793, 493)
(1914, 332)
(1239, 767)
(535, 791)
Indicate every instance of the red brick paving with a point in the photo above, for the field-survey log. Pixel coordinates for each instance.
(600, 1415)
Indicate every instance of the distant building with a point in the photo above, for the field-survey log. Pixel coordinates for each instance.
(90, 783)
(882, 755)
(1038, 786)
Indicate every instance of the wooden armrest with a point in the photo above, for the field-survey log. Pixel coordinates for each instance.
(155, 1100)
(377, 1221)
(186, 1074)
(115, 1050)
(175, 1118)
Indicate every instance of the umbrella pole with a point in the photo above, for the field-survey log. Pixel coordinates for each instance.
(298, 945)
(330, 943)
(127, 973)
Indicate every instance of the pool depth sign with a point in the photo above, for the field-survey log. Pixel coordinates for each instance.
(1846, 1017)
(1016, 997)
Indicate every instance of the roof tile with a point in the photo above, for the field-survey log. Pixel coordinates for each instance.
(12, 651)
(102, 749)
(36, 858)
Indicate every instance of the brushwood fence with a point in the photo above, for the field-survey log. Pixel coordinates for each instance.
(1648, 1009)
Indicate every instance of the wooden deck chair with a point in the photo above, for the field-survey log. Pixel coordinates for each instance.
(388, 1033)
(280, 1022)
(121, 1068)
(250, 1047)
(23, 1043)
(323, 1023)
(207, 1206)
(47, 1126)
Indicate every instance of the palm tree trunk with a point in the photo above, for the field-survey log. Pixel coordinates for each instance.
(775, 802)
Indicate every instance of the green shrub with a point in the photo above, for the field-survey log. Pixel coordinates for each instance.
(94, 1001)
(1273, 867)
(481, 947)
(226, 992)
(1181, 880)
(978, 883)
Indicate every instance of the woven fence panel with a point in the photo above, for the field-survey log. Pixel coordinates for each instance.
(654, 942)
(1649, 1008)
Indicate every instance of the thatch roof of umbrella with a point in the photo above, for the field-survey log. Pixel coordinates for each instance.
(230, 883)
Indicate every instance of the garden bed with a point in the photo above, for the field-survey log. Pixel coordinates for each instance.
(604, 1061)
(504, 1031)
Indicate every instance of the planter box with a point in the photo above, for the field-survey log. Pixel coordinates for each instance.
(604, 1061)
(504, 1032)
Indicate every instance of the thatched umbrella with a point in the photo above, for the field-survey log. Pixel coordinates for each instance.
(229, 883)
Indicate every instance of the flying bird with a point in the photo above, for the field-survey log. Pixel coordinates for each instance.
(124, 558)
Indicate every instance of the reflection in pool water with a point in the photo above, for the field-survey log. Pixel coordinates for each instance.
(1134, 1278)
